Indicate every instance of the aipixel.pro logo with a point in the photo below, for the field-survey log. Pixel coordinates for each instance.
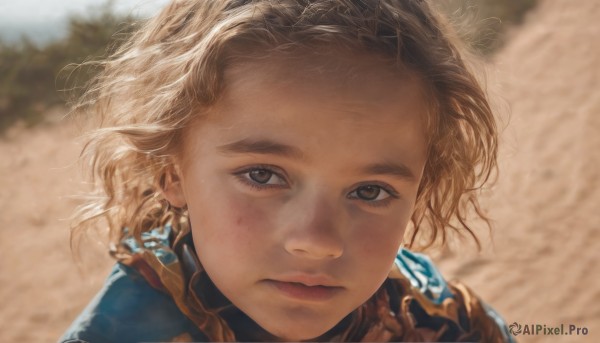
(543, 329)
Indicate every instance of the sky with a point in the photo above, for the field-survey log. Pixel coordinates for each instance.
(43, 20)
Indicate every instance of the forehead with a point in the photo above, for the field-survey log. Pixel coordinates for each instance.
(357, 103)
(335, 78)
(335, 69)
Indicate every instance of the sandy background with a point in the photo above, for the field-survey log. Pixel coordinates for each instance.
(542, 267)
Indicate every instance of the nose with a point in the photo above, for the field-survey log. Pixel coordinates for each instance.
(314, 230)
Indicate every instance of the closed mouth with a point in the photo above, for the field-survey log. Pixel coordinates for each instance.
(302, 291)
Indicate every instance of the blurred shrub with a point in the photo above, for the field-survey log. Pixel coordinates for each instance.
(483, 23)
(29, 84)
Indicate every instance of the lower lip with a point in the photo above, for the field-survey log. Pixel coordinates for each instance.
(303, 292)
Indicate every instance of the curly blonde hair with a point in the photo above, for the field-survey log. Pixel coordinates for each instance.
(171, 70)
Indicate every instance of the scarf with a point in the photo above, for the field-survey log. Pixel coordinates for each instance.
(413, 304)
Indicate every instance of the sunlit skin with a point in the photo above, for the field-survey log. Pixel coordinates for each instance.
(299, 183)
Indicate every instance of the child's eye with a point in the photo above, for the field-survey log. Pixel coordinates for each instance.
(261, 177)
(373, 194)
(264, 176)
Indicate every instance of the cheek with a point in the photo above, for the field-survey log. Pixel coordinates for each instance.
(376, 241)
(227, 222)
(382, 243)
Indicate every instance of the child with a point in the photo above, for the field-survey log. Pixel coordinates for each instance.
(259, 162)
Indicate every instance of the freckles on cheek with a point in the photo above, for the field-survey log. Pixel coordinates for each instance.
(248, 222)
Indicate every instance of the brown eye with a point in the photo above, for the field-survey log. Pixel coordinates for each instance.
(376, 194)
(368, 193)
(260, 175)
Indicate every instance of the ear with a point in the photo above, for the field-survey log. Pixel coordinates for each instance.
(172, 189)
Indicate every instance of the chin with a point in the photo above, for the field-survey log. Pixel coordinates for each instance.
(295, 331)
(301, 335)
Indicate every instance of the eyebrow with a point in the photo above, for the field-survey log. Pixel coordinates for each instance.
(398, 170)
(261, 146)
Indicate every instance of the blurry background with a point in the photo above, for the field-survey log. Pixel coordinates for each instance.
(38, 39)
(45, 21)
(538, 266)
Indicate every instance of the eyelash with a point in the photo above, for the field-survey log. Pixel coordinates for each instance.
(383, 187)
(243, 176)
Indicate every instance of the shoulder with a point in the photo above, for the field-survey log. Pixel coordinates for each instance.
(128, 309)
(433, 295)
(423, 275)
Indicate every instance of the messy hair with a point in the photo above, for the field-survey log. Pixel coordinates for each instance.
(172, 70)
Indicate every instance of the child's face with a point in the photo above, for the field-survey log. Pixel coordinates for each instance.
(299, 185)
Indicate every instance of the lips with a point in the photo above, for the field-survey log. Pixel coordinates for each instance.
(306, 288)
